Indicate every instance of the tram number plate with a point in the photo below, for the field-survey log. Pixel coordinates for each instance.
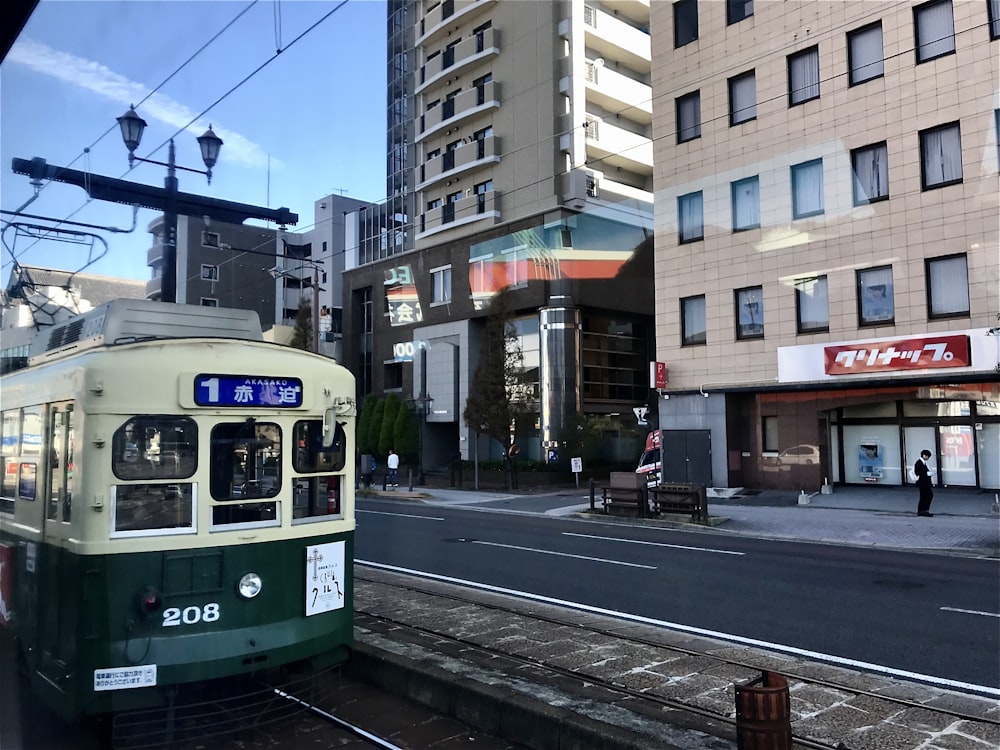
(173, 616)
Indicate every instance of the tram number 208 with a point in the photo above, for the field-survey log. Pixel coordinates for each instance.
(173, 616)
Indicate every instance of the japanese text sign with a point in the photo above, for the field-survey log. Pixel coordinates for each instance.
(929, 352)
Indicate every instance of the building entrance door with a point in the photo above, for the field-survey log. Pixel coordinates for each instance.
(687, 456)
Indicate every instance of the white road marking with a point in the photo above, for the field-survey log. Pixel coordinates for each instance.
(656, 544)
(970, 612)
(401, 515)
(776, 647)
(564, 554)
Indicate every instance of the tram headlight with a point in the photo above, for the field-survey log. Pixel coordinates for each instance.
(249, 585)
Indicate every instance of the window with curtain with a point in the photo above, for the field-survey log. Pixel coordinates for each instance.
(746, 203)
(812, 305)
(769, 433)
(934, 25)
(993, 7)
(737, 10)
(803, 76)
(807, 189)
(685, 22)
(870, 168)
(693, 320)
(864, 53)
(742, 98)
(948, 286)
(689, 117)
(750, 313)
(941, 156)
(690, 217)
(875, 296)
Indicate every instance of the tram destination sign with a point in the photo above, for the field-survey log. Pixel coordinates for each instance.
(247, 390)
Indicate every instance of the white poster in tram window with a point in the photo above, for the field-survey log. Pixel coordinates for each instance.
(325, 582)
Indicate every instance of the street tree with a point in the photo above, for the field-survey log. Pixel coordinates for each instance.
(302, 333)
(500, 393)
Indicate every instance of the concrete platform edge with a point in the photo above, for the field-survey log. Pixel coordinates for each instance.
(511, 716)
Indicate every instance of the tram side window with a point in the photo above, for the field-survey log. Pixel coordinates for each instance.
(155, 447)
(148, 507)
(9, 449)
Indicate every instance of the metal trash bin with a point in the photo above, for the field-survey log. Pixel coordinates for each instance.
(763, 714)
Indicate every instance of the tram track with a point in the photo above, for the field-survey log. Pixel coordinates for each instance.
(895, 704)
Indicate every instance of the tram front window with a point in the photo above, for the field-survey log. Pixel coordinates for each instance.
(245, 467)
(153, 448)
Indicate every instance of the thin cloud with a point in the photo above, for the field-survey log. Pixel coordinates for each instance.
(99, 79)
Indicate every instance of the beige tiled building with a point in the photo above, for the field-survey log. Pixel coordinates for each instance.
(826, 263)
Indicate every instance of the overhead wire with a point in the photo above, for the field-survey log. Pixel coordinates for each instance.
(86, 151)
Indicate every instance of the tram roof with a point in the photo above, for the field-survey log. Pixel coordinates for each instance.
(126, 321)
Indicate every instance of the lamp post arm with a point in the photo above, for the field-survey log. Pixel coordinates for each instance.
(129, 193)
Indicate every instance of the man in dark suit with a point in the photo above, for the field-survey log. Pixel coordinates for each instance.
(924, 484)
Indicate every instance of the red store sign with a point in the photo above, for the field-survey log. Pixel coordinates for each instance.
(925, 353)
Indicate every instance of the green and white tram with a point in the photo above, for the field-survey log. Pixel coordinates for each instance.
(176, 505)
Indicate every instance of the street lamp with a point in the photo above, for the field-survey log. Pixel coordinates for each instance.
(278, 272)
(423, 403)
(132, 127)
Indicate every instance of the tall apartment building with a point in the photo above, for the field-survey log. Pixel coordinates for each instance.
(218, 265)
(827, 240)
(520, 158)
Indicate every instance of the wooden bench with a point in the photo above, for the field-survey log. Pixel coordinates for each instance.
(622, 498)
(680, 498)
(626, 495)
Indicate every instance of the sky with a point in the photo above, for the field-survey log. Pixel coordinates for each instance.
(297, 125)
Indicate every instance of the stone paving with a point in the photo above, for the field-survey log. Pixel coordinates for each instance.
(836, 716)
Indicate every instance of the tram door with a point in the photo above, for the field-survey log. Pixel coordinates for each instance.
(57, 571)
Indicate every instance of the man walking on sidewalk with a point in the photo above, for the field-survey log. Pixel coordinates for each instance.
(924, 484)
(393, 465)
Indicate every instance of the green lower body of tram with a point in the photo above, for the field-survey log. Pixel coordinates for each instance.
(107, 633)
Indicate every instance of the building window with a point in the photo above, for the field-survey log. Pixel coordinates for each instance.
(693, 320)
(812, 305)
(516, 266)
(482, 190)
(803, 76)
(746, 203)
(210, 239)
(769, 434)
(941, 156)
(807, 189)
(737, 10)
(935, 29)
(690, 217)
(432, 204)
(685, 22)
(870, 165)
(742, 98)
(209, 302)
(441, 281)
(993, 7)
(864, 53)
(948, 287)
(875, 305)
(689, 117)
(209, 273)
(750, 313)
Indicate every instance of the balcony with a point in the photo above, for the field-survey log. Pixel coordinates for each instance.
(613, 39)
(154, 256)
(453, 60)
(468, 157)
(434, 26)
(453, 112)
(616, 92)
(614, 146)
(474, 207)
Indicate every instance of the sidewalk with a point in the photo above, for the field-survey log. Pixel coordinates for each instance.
(965, 520)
